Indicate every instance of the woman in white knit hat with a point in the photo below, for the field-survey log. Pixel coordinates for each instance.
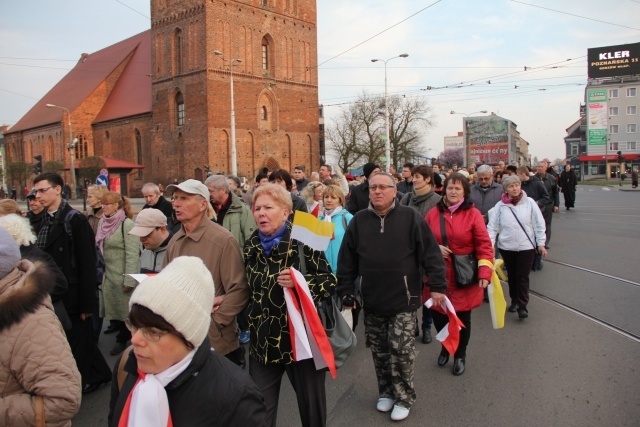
(173, 377)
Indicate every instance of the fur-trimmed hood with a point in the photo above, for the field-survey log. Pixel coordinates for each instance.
(22, 291)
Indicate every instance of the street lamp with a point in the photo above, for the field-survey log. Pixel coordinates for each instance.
(71, 146)
(234, 160)
(387, 143)
(467, 155)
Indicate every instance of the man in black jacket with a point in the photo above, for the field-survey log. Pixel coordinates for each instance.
(359, 198)
(75, 255)
(406, 186)
(551, 185)
(390, 246)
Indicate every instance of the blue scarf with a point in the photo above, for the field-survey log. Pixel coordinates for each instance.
(270, 242)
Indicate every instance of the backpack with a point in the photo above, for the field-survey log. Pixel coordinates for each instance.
(100, 264)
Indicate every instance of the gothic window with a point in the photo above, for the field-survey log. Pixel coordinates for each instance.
(179, 109)
(177, 51)
(82, 147)
(265, 53)
(139, 151)
(264, 113)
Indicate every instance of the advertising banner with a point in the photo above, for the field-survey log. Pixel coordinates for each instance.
(488, 141)
(597, 115)
(612, 61)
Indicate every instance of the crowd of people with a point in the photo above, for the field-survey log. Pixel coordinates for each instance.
(219, 258)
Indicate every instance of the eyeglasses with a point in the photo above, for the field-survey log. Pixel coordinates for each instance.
(484, 179)
(41, 190)
(382, 187)
(151, 334)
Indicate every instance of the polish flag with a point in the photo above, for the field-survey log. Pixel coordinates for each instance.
(308, 337)
(449, 336)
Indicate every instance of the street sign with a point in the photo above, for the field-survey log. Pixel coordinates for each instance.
(102, 180)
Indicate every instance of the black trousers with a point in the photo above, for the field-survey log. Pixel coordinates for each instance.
(441, 320)
(307, 382)
(124, 334)
(518, 264)
(91, 364)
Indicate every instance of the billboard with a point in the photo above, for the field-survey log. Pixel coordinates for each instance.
(612, 61)
(597, 116)
(488, 140)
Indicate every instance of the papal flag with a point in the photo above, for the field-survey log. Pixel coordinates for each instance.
(311, 231)
(497, 303)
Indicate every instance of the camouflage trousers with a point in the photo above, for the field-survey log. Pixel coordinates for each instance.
(392, 343)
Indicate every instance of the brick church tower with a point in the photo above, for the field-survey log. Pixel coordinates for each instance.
(272, 48)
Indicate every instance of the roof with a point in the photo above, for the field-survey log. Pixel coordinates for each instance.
(91, 71)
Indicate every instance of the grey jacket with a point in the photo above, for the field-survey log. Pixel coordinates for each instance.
(486, 198)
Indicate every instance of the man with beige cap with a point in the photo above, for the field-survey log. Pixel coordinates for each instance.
(200, 236)
(151, 228)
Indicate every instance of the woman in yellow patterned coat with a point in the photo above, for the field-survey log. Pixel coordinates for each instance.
(269, 254)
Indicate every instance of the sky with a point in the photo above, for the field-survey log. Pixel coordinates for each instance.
(471, 54)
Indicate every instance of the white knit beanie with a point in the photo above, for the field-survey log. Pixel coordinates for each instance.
(182, 293)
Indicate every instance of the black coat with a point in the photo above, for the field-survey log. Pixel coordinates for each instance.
(77, 260)
(162, 205)
(212, 391)
(359, 198)
(536, 190)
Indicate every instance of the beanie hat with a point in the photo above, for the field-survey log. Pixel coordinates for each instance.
(368, 168)
(182, 293)
(9, 253)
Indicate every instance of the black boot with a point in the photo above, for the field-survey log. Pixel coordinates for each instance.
(458, 365)
(426, 336)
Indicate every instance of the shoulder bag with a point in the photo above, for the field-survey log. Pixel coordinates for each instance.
(465, 266)
(343, 340)
(537, 261)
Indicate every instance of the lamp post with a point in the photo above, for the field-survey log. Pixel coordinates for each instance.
(467, 155)
(387, 143)
(70, 147)
(234, 155)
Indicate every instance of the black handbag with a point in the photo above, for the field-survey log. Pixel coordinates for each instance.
(537, 260)
(465, 266)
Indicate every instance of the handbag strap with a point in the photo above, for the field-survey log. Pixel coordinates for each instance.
(39, 420)
(523, 230)
(443, 231)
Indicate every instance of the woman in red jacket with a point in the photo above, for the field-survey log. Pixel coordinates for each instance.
(465, 234)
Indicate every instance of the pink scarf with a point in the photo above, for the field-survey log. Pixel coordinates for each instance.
(107, 226)
(506, 199)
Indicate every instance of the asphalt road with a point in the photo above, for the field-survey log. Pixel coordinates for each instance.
(559, 367)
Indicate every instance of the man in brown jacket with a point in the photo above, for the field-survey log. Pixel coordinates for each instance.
(220, 252)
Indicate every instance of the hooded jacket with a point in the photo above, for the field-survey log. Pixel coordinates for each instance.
(35, 358)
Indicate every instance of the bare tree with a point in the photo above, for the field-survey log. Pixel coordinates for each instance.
(357, 134)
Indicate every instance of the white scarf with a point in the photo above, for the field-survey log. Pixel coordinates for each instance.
(328, 214)
(149, 403)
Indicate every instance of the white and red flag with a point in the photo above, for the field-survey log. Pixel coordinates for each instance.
(308, 337)
(449, 336)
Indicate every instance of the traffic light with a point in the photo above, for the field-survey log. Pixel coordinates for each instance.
(37, 166)
(620, 157)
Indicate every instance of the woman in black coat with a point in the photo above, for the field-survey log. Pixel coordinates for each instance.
(568, 183)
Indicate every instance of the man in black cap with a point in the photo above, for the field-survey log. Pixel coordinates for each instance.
(359, 198)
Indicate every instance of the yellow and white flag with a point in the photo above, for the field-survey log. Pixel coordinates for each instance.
(311, 231)
(497, 303)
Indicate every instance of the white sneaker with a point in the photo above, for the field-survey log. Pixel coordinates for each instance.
(399, 413)
(385, 404)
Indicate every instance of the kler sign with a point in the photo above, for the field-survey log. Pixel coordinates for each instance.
(613, 61)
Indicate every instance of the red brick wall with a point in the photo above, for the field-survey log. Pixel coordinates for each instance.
(288, 88)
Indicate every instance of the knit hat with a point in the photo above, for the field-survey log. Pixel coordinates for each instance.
(182, 293)
(9, 253)
(368, 168)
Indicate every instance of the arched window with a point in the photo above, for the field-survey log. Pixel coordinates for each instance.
(106, 136)
(139, 151)
(179, 109)
(264, 113)
(265, 53)
(82, 147)
(177, 51)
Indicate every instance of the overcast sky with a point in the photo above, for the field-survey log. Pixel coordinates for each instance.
(456, 47)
